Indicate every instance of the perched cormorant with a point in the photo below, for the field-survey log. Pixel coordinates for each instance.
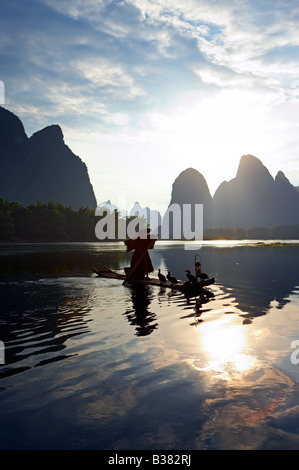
(161, 277)
(171, 278)
(203, 276)
(190, 276)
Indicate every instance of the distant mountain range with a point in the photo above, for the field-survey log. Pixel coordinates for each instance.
(253, 198)
(40, 168)
(152, 218)
(43, 168)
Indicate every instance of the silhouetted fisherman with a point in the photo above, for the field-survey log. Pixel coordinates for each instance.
(197, 269)
(202, 276)
(141, 264)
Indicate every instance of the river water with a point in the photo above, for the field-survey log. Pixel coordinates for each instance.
(92, 364)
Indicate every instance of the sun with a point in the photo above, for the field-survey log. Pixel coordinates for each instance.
(211, 133)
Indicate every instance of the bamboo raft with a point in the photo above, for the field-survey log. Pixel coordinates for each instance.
(189, 289)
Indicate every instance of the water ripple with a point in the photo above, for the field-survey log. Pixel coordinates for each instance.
(32, 332)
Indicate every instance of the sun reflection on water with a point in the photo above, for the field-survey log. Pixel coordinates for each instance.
(223, 350)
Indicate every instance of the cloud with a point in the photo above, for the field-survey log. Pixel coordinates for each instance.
(148, 49)
(149, 72)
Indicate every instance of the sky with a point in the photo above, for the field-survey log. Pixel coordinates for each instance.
(143, 89)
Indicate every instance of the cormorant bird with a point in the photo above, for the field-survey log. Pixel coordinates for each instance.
(171, 278)
(161, 277)
(190, 276)
(203, 276)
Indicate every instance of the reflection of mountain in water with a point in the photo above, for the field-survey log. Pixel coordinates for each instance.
(253, 275)
(140, 316)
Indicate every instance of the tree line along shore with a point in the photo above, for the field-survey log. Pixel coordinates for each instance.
(53, 222)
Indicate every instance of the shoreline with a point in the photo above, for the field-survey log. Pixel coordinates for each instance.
(206, 242)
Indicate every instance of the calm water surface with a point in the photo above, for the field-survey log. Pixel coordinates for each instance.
(93, 364)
